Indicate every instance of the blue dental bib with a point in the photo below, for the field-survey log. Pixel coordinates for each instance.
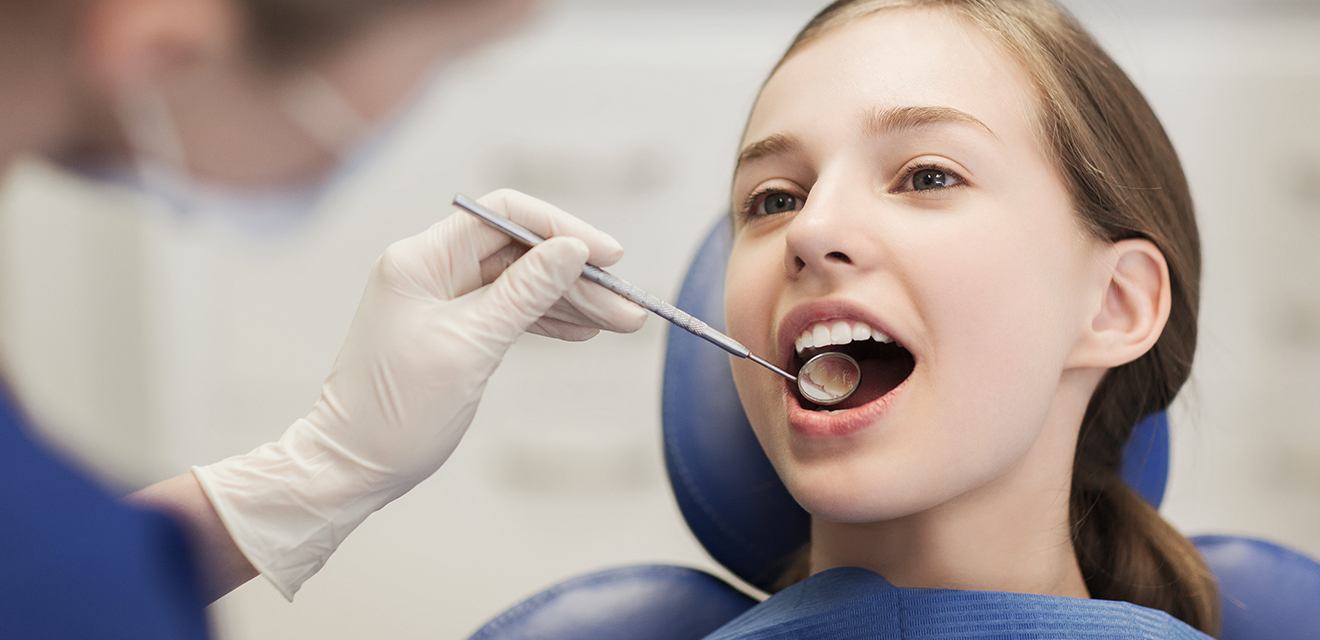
(848, 603)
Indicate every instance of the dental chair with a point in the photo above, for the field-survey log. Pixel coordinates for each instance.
(745, 518)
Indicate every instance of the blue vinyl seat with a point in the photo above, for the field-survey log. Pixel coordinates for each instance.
(745, 518)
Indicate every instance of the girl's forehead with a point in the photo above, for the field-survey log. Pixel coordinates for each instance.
(896, 58)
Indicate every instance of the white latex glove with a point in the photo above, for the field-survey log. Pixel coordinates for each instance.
(439, 312)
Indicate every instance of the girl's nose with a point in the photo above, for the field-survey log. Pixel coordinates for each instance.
(823, 242)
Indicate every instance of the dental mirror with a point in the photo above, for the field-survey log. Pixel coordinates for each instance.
(829, 378)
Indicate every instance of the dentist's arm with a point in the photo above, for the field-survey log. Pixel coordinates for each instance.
(439, 312)
(221, 566)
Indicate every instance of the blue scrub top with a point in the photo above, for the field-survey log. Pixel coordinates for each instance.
(77, 563)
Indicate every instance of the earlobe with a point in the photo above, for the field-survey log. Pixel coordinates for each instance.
(1134, 308)
(132, 43)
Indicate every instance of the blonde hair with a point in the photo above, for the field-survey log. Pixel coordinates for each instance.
(1126, 182)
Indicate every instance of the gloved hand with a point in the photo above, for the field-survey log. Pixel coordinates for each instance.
(439, 312)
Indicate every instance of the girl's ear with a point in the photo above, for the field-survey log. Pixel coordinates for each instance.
(1133, 309)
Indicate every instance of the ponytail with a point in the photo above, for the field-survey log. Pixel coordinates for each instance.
(1128, 552)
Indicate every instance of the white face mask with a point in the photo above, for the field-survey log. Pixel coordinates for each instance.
(160, 162)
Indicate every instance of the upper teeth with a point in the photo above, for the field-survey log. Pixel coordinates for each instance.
(824, 334)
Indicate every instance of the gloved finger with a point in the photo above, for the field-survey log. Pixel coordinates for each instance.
(526, 290)
(538, 216)
(446, 259)
(596, 306)
(590, 305)
(495, 264)
(560, 330)
(586, 304)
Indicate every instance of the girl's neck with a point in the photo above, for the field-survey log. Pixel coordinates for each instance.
(1012, 534)
(973, 550)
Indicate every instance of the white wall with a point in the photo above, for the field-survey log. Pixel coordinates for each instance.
(147, 344)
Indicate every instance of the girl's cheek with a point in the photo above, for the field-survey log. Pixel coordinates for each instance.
(978, 292)
(748, 296)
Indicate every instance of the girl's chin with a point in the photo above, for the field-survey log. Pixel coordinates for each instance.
(868, 493)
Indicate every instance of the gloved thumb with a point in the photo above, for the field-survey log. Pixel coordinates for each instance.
(527, 289)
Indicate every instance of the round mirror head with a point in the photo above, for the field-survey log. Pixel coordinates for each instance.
(829, 378)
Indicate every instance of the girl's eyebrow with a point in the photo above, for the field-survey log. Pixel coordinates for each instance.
(875, 122)
(888, 119)
(774, 145)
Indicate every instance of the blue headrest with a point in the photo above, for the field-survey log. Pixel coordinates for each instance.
(1266, 590)
(727, 490)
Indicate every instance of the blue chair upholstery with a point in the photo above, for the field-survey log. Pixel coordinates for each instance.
(1268, 591)
(654, 602)
(745, 518)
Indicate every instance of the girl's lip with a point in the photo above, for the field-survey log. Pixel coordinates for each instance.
(819, 424)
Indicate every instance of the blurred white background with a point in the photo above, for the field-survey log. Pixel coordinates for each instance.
(146, 344)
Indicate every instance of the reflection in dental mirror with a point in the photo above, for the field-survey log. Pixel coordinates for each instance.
(829, 378)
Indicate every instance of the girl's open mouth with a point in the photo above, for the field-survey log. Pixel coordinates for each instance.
(885, 364)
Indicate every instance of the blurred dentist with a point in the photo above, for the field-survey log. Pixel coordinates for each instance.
(232, 97)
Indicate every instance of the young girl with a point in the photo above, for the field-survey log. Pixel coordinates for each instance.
(972, 199)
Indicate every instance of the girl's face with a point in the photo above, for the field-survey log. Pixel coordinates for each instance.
(891, 181)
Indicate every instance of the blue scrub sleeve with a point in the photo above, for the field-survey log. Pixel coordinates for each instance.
(77, 563)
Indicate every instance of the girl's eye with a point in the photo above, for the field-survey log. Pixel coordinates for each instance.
(925, 180)
(931, 179)
(778, 202)
(770, 202)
